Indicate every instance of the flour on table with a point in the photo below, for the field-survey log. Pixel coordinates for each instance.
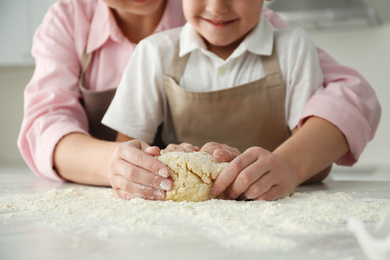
(255, 225)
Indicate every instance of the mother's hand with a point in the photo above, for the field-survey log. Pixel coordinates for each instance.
(136, 173)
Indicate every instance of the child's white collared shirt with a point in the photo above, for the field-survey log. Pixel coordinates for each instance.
(138, 106)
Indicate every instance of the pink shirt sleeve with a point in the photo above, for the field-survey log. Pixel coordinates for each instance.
(52, 107)
(346, 100)
(51, 99)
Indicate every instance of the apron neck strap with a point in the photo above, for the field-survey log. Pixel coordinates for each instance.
(271, 63)
(178, 64)
(85, 60)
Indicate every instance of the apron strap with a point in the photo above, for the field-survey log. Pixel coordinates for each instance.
(271, 63)
(85, 60)
(178, 64)
(271, 68)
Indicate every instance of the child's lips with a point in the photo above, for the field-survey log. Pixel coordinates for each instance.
(219, 23)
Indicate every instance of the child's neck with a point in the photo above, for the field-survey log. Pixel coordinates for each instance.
(221, 51)
(225, 51)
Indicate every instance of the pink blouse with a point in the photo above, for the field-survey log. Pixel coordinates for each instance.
(51, 100)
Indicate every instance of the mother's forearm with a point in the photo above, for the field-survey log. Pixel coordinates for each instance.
(83, 159)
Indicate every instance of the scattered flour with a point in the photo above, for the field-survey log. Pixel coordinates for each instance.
(255, 225)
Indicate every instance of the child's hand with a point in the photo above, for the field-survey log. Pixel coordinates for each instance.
(135, 173)
(183, 147)
(256, 174)
(221, 152)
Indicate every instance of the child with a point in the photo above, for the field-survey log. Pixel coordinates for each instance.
(242, 83)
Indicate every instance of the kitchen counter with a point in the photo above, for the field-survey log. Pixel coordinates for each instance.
(22, 238)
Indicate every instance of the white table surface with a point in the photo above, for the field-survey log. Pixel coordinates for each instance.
(21, 239)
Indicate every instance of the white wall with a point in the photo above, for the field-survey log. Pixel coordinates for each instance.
(12, 83)
(18, 21)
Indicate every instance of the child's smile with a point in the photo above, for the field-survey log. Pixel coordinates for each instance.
(220, 23)
(223, 23)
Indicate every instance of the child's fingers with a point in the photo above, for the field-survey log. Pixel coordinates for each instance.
(153, 150)
(260, 186)
(183, 147)
(253, 174)
(211, 147)
(188, 148)
(224, 155)
(173, 148)
(231, 171)
(272, 186)
(246, 179)
(276, 192)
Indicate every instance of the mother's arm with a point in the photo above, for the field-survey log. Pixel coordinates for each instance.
(346, 100)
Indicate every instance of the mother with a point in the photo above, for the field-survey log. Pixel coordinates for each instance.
(81, 50)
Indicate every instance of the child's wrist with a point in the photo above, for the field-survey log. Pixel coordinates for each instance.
(296, 169)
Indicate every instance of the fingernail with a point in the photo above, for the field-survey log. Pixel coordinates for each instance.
(159, 194)
(227, 150)
(165, 185)
(148, 148)
(163, 173)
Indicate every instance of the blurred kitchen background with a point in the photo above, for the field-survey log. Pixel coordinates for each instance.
(355, 32)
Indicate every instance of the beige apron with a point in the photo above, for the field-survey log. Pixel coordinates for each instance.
(252, 114)
(96, 104)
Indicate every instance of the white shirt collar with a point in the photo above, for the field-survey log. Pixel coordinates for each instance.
(259, 41)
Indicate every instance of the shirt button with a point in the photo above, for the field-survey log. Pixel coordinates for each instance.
(221, 71)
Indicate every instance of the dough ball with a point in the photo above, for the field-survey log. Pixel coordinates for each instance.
(193, 174)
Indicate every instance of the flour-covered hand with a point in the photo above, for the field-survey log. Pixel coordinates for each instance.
(136, 173)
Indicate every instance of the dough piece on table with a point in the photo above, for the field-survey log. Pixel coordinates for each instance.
(193, 174)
